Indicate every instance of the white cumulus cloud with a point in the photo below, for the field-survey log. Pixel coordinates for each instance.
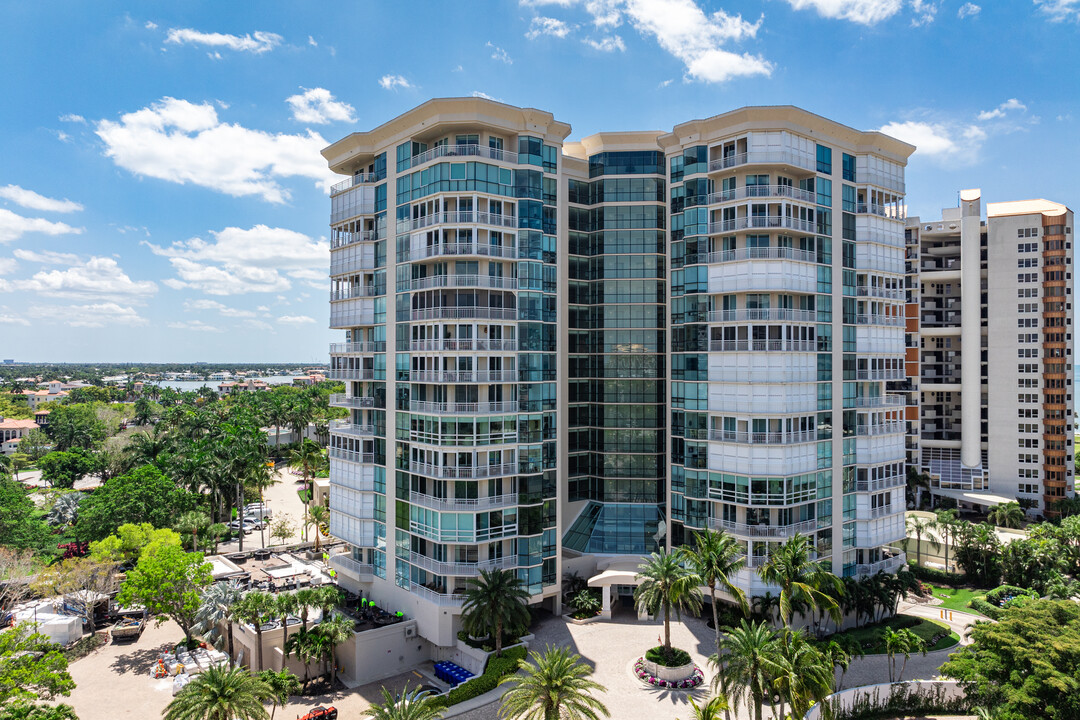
(94, 315)
(939, 141)
(95, 278)
(318, 106)
(13, 226)
(393, 82)
(7, 266)
(213, 305)
(497, 53)
(1060, 10)
(296, 320)
(33, 201)
(47, 257)
(184, 142)
(72, 118)
(196, 325)
(967, 10)
(866, 12)
(257, 42)
(608, 43)
(547, 26)
(1002, 109)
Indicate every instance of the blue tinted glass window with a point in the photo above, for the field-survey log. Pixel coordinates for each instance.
(824, 159)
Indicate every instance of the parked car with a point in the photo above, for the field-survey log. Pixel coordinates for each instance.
(247, 525)
(261, 510)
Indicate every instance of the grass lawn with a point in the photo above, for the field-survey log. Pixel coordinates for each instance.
(958, 598)
(869, 637)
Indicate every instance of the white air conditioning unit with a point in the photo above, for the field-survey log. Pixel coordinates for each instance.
(410, 631)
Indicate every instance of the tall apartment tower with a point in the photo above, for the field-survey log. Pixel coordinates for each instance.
(995, 351)
(562, 356)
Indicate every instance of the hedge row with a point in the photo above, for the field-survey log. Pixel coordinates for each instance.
(984, 608)
(933, 575)
(497, 668)
(998, 594)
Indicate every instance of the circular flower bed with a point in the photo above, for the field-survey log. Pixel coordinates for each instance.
(688, 683)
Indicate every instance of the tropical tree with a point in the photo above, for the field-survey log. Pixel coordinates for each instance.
(665, 584)
(65, 511)
(1007, 515)
(715, 557)
(168, 582)
(978, 552)
(149, 447)
(285, 604)
(413, 705)
(335, 630)
(307, 646)
(495, 601)
(709, 710)
(901, 642)
(918, 527)
(306, 598)
(220, 693)
(840, 653)
(749, 651)
(192, 523)
(586, 602)
(31, 666)
(217, 607)
(947, 523)
(555, 685)
(255, 608)
(802, 674)
(800, 579)
(319, 517)
(306, 458)
(282, 684)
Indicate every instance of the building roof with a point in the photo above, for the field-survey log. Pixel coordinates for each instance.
(1025, 207)
(13, 424)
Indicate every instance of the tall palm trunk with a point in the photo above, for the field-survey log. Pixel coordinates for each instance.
(232, 653)
(719, 657)
(240, 519)
(667, 627)
(498, 637)
(258, 639)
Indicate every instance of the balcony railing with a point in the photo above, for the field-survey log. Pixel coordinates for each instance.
(884, 483)
(874, 319)
(463, 151)
(762, 346)
(778, 157)
(344, 563)
(464, 217)
(886, 428)
(888, 565)
(358, 179)
(351, 319)
(884, 211)
(886, 374)
(763, 438)
(448, 281)
(342, 238)
(461, 569)
(351, 374)
(343, 400)
(757, 253)
(875, 178)
(767, 314)
(463, 504)
(358, 263)
(453, 345)
(463, 376)
(357, 348)
(436, 597)
(454, 408)
(341, 427)
(351, 456)
(754, 191)
(762, 221)
(477, 312)
(882, 510)
(460, 249)
(357, 291)
(764, 531)
(880, 292)
(880, 401)
(463, 471)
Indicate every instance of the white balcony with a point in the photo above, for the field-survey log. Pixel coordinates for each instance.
(469, 344)
(463, 281)
(495, 502)
(764, 531)
(886, 374)
(888, 565)
(340, 427)
(763, 314)
(345, 401)
(355, 263)
(763, 438)
(460, 250)
(349, 319)
(463, 471)
(880, 292)
(763, 157)
(886, 428)
(343, 238)
(463, 151)
(884, 211)
(467, 217)
(360, 572)
(762, 346)
(755, 222)
(873, 177)
(436, 598)
(880, 401)
(357, 348)
(784, 192)
(480, 312)
(357, 291)
(881, 511)
(886, 483)
(352, 456)
(452, 408)
(874, 319)
(461, 569)
(463, 376)
(357, 179)
(757, 253)
(351, 374)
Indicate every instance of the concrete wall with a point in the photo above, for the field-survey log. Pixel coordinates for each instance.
(845, 699)
(382, 652)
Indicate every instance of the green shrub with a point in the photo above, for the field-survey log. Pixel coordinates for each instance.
(486, 644)
(984, 608)
(904, 702)
(660, 656)
(998, 594)
(497, 668)
(938, 577)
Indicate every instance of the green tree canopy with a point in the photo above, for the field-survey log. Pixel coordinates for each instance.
(62, 468)
(76, 426)
(1027, 665)
(140, 496)
(31, 666)
(22, 525)
(221, 694)
(168, 581)
(130, 541)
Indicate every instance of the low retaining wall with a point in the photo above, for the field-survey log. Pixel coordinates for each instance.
(845, 699)
(671, 674)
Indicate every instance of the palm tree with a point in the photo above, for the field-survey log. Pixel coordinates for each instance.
(840, 653)
(495, 600)
(325, 597)
(715, 558)
(800, 579)
(802, 674)
(319, 517)
(554, 686)
(665, 584)
(918, 527)
(282, 684)
(307, 646)
(65, 511)
(948, 522)
(765, 604)
(413, 705)
(1007, 515)
(285, 604)
(901, 642)
(254, 609)
(217, 607)
(305, 600)
(306, 459)
(335, 630)
(194, 522)
(710, 710)
(220, 694)
(148, 446)
(749, 649)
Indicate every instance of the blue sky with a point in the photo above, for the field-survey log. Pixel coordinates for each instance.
(162, 196)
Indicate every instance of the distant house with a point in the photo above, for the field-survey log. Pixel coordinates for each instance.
(12, 431)
(220, 376)
(53, 392)
(41, 417)
(308, 379)
(245, 386)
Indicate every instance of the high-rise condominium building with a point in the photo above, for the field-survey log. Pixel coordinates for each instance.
(566, 355)
(990, 351)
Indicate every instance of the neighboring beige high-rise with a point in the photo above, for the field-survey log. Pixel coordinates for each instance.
(995, 363)
(562, 356)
